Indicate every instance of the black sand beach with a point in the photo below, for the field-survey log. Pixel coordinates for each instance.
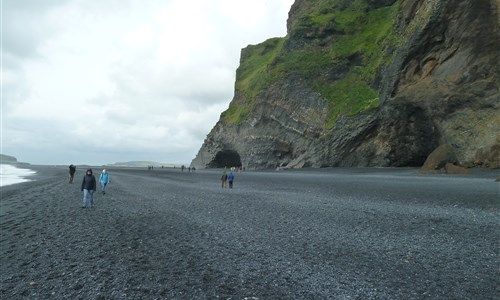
(307, 234)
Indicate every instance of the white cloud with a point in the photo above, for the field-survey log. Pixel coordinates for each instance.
(140, 37)
(105, 81)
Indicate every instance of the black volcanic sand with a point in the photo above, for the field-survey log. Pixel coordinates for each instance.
(308, 234)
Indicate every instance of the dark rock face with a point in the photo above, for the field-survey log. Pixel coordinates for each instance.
(489, 156)
(276, 131)
(380, 3)
(450, 71)
(440, 86)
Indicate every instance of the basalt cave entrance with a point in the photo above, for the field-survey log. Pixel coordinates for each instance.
(225, 158)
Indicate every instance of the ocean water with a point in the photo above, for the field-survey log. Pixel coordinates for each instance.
(12, 175)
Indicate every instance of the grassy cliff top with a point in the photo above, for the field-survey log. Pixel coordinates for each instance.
(337, 47)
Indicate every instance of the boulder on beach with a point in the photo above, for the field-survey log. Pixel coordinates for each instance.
(454, 169)
(439, 158)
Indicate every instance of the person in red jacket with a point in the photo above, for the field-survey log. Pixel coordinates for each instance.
(88, 188)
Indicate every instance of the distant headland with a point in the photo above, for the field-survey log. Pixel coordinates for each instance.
(7, 159)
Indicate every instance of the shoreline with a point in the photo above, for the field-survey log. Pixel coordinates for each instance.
(50, 170)
(57, 172)
(11, 174)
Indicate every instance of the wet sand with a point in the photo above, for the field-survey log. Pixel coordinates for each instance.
(305, 234)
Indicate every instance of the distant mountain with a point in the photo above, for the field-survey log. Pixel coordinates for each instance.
(4, 159)
(142, 164)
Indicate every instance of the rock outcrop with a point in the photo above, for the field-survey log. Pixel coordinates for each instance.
(366, 83)
(439, 158)
(443, 160)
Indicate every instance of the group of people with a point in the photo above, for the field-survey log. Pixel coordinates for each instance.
(227, 178)
(89, 184)
(188, 168)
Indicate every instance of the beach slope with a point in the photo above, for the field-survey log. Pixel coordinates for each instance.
(308, 234)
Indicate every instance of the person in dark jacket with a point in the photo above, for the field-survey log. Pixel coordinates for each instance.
(72, 170)
(88, 188)
(224, 177)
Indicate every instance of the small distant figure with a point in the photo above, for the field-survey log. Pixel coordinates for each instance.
(182, 168)
(224, 180)
(104, 179)
(72, 170)
(189, 169)
(230, 179)
(88, 188)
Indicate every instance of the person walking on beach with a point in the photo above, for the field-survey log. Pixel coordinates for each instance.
(104, 179)
(88, 188)
(230, 179)
(72, 170)
(224, 178)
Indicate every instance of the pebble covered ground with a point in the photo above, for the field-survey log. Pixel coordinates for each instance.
(304, 234)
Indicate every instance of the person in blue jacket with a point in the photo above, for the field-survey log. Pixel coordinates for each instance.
(104, 179)
(88, 188)
(230, 179)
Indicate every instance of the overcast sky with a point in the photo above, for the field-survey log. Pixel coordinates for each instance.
(97, 82)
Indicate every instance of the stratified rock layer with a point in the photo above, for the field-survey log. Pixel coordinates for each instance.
(438, 84)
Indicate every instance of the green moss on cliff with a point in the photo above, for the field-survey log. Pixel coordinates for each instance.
(348, 96)
(236, 113)
(252, 77)
(341, 48)
(253, 73)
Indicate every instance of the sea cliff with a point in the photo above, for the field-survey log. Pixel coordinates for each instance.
(374, 83)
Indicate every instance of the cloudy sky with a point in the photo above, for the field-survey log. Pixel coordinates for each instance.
(97, 82)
